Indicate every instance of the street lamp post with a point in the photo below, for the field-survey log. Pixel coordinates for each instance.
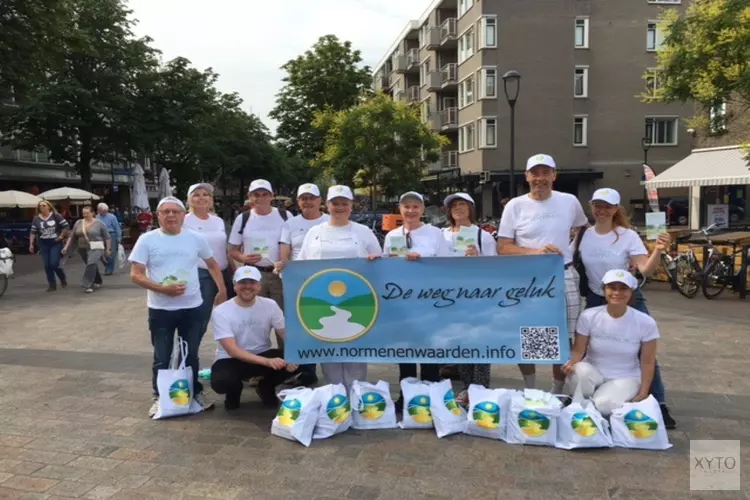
(512, 85)
(646, 144)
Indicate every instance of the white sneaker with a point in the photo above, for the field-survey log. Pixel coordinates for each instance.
(154, 408)
(97, 286)
(89, 290)
(201, 400)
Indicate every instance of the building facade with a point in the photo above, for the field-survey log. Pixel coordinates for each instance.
(582, 66)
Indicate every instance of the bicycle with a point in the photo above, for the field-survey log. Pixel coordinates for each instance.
(688, 274)
(719, 273)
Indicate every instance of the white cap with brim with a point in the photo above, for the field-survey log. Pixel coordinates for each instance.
(620, 276)
(201, 185)
(308, 189)
(456, 196)
(540, 160)
(339, 192)
(170, 199)
(260, 184)
(411, 194)
(606, 195)
(246, 273)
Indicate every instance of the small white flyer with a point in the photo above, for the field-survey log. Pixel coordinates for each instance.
(398, 246)
(656, 223)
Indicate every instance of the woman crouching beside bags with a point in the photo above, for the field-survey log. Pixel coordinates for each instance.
(94, 244)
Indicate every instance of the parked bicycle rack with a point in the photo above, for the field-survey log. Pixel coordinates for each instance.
(736, 240)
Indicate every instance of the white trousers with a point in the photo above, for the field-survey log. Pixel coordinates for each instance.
(344, 373)
(606, 396)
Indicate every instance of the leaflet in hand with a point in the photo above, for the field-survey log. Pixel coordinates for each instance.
(656, 223)
(466, 237)
(398, 246)
(259, 246)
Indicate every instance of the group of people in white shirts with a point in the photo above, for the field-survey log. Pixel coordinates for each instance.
(613, 340)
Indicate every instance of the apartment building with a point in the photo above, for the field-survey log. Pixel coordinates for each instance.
(581, 63)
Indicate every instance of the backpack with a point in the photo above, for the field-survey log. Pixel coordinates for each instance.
(246, 217)
(583, 284)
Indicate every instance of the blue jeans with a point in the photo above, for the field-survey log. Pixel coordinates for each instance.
(162, 324)
(51, 251)
(110, 268)
(657, 384)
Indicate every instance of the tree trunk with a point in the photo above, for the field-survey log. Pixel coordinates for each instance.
(84, 168)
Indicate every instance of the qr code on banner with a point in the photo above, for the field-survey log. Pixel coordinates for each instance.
(540, 343)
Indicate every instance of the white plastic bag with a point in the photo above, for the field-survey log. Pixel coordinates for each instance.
(121, 257)
(582, 426)
(639, 425)
(335, 413)
(533, 418)
(488, 411)
(447, 415)
(372, 406)
(6, 262)
(416, 414)
(176, 386)
(297, 415)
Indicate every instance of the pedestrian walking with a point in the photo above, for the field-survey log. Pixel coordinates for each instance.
(115, 233)
(48, 231)
(94, 244)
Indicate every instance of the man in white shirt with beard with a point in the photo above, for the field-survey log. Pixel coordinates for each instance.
(242, 327)
(539, 223)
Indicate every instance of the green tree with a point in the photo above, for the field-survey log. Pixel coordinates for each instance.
(330, 75)
(381, 143)
(78, 112)
(706, 55)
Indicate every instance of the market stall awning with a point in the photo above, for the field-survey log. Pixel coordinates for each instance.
(723, 166)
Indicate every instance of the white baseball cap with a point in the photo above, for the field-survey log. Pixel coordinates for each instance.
(411, 194)
(308, 189)
(260, 184)
(540, 159)
(607, 195)
(339, 192)
(451, 197)
(246, 273)
(201, 185)
(620, 276)
(170, 199)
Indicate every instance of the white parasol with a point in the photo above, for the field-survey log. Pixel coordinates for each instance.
(164, 188)
(68, 193)
(139, 195)
(13, 199)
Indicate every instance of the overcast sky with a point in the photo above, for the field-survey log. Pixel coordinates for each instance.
(247, 41)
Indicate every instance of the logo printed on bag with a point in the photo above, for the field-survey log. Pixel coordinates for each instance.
(289, 412)
(583, 424)
(179, 392)
(533, 423)
(373, 406)
(640, 425)
(449, 400)
(337, 305)
(419, 409)
(339, 408)
(487, 415)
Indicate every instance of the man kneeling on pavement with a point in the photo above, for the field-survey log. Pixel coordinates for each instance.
(242, 327)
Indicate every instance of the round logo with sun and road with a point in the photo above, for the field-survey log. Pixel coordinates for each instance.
(337, 305)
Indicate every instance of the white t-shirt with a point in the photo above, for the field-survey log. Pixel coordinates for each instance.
(215, 232)
(325, 241)
(489, 245)
(614, 343)
(250, 326)
(263, 229)
(533, 224)
(172, 258)
(601, 253)
(427, 241)
(295, 230)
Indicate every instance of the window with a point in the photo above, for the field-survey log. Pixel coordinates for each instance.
(580, 132)
(581, 82)
(466, 45)
(717, 116)
(426, 110)
(489, 32)
(662, 131)
(653, 81)
(488, 132)
(466, 92)
(424, 71)
(424, 33)
(582, 33)
(654, 37)
(466, 138)
(489, 83)
(464, 6)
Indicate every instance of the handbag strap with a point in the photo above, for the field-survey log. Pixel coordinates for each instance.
(577, 253)
(85, 231)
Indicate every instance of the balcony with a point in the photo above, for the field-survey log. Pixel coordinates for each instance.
(381, 82)
(413, 94)
(412, 59)
(434, 81)
(449, 75)
(449, 159)
(433, 38)
(448, 32)
(449, 119)
(399, 63)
